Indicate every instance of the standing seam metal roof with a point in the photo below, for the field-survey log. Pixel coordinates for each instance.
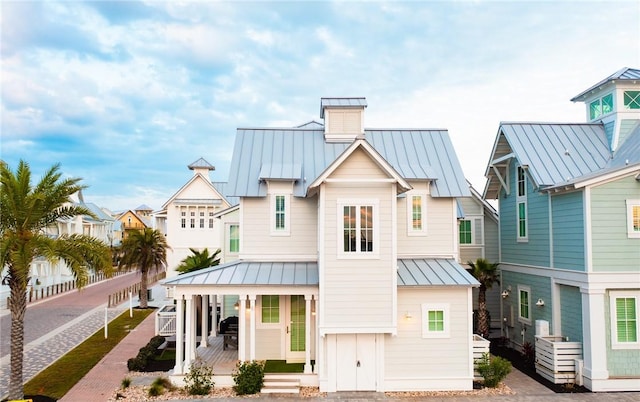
(411, 272)
(415, 154)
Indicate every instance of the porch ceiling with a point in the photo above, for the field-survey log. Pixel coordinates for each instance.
(433, 272)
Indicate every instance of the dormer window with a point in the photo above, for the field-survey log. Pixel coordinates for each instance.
(344, 118)
(601, 106)
(631, 99)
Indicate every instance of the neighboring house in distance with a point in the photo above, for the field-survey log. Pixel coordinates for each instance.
(349, 256)
(145, 213)
(44, 273)
(479, 238)
(569, 201)
(129, 221)
(199, 216)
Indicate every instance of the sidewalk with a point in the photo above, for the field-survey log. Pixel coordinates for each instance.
(100, 383)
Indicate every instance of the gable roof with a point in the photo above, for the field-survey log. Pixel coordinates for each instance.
(559, 154)
(418, 154)
(620, 75)
(341, 102)
(193, 178)
(371, 152)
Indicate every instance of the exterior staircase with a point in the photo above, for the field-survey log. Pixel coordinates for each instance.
(280, 384)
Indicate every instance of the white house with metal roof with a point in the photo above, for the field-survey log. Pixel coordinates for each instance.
(193, 218)
(569, 201)
(349, 257)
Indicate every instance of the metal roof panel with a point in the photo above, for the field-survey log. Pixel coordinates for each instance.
(433, 272)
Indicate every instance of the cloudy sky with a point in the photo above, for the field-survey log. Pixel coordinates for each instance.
(126, 94)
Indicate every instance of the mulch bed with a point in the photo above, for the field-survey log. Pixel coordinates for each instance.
(528, 367)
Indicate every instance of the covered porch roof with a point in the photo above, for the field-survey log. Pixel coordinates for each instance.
(411, 272)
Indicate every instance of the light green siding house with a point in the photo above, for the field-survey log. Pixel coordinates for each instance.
(569, 202)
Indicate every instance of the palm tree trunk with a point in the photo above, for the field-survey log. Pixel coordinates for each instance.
(483, 325)
(17, 305)
(143, 288)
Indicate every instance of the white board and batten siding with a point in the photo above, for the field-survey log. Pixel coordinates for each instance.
(416, 363)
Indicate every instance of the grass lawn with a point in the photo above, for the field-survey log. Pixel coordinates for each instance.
(57, 379)
(281, 366)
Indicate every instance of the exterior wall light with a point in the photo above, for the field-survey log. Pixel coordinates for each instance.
(540, 303)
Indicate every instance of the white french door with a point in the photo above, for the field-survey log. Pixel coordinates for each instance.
(296, 341)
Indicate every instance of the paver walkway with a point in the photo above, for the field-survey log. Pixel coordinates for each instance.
(56, 325)
(106, 376)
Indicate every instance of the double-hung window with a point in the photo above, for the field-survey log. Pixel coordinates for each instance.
(435, 321)
(625, 316)
(465, 231)
(521, 204)
(234, 238)
(524, 304)
(416, 214)
(358, 225)
(633, 218)
(280, 214)
(183, 219)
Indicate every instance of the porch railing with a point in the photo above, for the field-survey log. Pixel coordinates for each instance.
(480, 347)
(166, 321)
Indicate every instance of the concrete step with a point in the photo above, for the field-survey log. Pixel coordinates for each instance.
(280, 384)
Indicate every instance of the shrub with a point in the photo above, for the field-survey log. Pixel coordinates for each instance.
(156, 390)
(248, 377)
(145, 354)
(199, 378)
(493, 369)
(528, 353)
(126, 382)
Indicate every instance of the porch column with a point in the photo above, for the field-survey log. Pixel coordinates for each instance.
(307, 334)
(252, 327)
(204, 330)
(214, 315)
(594, 336)
(194, 330)
(242, 305)
(179, 336)
(188, 332)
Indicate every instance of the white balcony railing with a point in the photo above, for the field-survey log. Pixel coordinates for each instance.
(166, 321)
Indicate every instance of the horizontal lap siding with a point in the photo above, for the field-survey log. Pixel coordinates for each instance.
(612, 249)
(568, 231)
(358, 293)
(536, 250)
(439, 236)
(571, 313)
(256, 231)
(409, 355)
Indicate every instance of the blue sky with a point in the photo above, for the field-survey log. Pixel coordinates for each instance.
(126, 94)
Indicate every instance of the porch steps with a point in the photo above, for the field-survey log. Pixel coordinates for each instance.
(280, 384)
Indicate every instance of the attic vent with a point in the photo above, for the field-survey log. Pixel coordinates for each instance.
(345, 121)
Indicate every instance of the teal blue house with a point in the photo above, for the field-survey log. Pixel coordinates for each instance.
(569, 202)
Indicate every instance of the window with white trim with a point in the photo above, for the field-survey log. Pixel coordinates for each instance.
(416, 214)
(234, 239)
(625, 316)
(521, 204)
(524, 304)
(601, 106)
(358, 224)
(270, 309)
(192, 221)
(280, 205)
(633, 218)
(435, 320)
(183, 219)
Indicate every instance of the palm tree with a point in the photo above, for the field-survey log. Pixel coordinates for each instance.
(199, 260)
(487, 274)
(144, 250)
(26, 212)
